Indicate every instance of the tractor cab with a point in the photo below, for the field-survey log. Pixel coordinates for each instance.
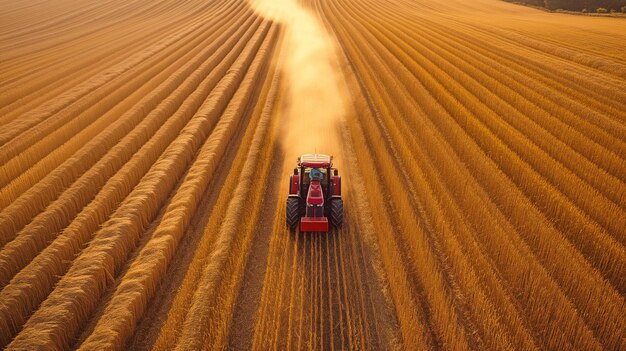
(314, 194)
(315, 167)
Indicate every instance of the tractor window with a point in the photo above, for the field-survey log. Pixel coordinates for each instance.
(317, 174)
(306, 176)
(306, 179)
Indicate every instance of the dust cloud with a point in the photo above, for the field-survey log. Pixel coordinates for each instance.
(314, 103)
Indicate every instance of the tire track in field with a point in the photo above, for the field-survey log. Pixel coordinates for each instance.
(178, 295)
(314, 286)
(201, 172)
(608, 290)
(146, 146)
(435, 281)
(413, 177)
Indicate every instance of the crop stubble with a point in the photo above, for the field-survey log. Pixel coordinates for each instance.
(482, 149)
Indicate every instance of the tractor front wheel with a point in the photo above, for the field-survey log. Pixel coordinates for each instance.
(336, 213)
(293, 213)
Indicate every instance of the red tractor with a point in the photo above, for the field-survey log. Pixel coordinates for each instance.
(314, 195)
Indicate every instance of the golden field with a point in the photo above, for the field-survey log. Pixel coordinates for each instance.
(145, 149)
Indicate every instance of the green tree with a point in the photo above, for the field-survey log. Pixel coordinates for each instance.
(558, 4)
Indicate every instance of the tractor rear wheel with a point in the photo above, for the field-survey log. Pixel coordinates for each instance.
(336, 213)
(293, 213)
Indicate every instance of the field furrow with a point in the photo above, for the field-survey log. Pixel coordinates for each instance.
(146, 149)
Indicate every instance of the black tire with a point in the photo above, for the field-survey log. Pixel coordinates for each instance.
(293, 213)
(336, 213)
(302, 207)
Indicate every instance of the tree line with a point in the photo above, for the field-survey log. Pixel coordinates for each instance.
(580, 5)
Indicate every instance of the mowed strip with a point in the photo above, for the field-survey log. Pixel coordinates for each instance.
(56, 216)
(210, 112)
(483, 154)
(317, 288)
(28, 288)
(422, 72)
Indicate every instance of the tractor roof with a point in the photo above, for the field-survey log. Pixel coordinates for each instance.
(315, 160)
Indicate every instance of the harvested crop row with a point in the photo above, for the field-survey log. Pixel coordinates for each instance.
(568, 218)
(105, 89)
(145, 146)
(18, 213)
(29, 94)
(56, 216)
(119, 233)
(140, 282)
(446, 321)
(86, 102)
(571, 183)
(54, 261)
(37, 32)
(585, 91)
(492, 332)
(313, 295)
(606, 65)
(413, 328)
(33, 284)
(521, 94)
(617, 269)
(221, 276)
(373, 70)
(59, 38)
(481, 308)
(169, 333)
(583, 98)
(79, 85)
(406, 133)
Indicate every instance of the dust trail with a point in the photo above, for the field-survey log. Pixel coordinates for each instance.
(314, 101)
